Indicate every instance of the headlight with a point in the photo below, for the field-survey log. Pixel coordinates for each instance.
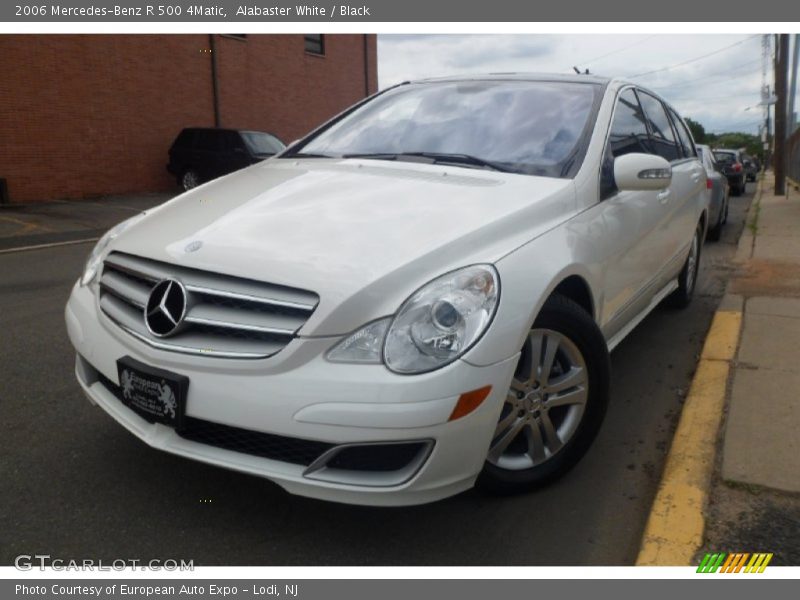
(96, 256)
(442, 320)
(434, 327)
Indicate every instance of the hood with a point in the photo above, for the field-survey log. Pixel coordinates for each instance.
(349, 228)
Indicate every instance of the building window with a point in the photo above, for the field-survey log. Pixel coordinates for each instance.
(315, 43)
(235, 36)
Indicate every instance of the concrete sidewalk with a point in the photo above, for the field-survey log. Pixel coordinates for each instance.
(731, 482)
(68, 221)
(762, 434)
(754, 504)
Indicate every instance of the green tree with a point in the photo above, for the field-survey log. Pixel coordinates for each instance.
(698, 131)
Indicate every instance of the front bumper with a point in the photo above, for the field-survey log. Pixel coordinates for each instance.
(300, 395)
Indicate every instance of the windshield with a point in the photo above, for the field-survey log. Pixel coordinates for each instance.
(262, 143)
(529, 127)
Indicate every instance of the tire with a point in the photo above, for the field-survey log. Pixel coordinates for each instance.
(727, 206)
(687, 280)
(189, 179)
(544, 429)
(715, 232)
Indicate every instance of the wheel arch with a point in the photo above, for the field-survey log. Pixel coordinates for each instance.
(577, 289)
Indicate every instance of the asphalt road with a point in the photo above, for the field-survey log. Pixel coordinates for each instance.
(76, 485)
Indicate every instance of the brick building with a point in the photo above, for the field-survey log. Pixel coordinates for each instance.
(86, 115)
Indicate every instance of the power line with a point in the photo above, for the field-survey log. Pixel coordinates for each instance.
(721, 77)
(727, 97)
(613, 52)
(692, 60)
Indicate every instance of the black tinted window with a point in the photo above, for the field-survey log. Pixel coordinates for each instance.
(684, 135)
(663, 138)
(629, 128)
(530, 127)
(184, 139)
(209, 139)
(233, 140)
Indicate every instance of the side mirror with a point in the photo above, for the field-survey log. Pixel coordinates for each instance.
(641, 172)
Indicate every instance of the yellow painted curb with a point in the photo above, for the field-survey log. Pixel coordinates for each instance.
(723, 337)
(674, 530)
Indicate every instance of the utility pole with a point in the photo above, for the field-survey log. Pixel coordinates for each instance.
(781, 72)
(793, 88)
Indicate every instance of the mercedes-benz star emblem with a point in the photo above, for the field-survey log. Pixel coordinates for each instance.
(166, 308)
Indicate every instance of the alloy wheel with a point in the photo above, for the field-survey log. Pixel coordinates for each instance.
(544, 405)
(190, 180)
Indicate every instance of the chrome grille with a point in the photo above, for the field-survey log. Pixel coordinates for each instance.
(226, 316)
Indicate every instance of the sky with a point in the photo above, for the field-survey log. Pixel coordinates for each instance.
(714, 79)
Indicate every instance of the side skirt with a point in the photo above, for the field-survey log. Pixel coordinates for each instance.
(631, 325)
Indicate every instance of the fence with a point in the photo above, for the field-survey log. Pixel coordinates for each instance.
(793, 162)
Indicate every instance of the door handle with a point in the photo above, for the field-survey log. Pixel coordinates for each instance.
(663, 196)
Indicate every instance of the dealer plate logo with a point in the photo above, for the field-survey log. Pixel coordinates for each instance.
(153, 397)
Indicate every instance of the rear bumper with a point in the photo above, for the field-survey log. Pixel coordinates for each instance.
(736, 179)
(299, 395)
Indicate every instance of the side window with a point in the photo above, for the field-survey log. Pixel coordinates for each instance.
(629, 128)
(683, 134)
(664, 143)
(628, 134)
(233, 141)
(207, 139)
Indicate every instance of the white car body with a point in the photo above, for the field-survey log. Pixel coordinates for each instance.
(363, 235)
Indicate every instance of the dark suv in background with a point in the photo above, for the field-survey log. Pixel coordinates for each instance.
(731, 162)
(201, 154)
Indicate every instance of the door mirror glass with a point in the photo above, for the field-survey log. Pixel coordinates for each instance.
(640, 172)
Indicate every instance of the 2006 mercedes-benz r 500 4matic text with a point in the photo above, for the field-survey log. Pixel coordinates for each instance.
(419, 296)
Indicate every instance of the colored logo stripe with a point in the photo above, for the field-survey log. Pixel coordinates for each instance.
(735, 562)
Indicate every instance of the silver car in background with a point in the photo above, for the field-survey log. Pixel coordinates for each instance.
(717, 184)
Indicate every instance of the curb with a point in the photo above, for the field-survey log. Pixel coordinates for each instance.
(675, 526)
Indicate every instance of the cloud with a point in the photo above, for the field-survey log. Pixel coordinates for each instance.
(715, 90)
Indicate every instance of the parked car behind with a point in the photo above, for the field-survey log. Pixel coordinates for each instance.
(732, 165)
(419, 296)
(201, 154)
(718, 187)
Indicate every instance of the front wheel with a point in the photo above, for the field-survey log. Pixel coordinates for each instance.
(556, 402)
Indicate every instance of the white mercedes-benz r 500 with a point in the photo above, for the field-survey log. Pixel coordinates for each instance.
(418, 297)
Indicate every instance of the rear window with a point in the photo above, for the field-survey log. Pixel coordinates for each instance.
(262, 143)
(725, 157)
(184, 139)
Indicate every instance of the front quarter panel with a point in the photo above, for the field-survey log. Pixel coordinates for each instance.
(530, 274)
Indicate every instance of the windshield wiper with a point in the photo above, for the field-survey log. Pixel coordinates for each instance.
(435, 157)
(309, 155)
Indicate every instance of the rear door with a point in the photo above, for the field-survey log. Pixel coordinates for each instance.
(671, 143)
(689, 178)
(212, 153)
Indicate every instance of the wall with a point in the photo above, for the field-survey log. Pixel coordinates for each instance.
(88, 115)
